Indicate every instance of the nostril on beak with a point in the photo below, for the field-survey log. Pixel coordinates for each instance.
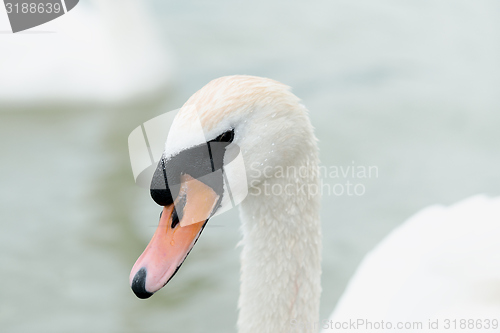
(139, 284)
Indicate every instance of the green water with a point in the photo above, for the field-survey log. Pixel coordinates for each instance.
(409, 88)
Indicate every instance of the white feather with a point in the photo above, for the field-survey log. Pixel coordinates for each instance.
(443, 263)
(280, 260)
(105, 51)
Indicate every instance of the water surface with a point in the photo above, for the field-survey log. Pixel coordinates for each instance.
(411, 88)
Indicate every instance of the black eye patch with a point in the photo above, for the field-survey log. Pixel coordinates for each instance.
(197, 162)
(225, 137)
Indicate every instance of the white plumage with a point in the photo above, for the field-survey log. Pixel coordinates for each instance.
(442, 264)
(280, 260)
(105, 51)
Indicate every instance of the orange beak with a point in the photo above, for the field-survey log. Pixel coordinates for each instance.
(181, 223)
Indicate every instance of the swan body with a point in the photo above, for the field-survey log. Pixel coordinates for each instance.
(99, 52)
(442, 264)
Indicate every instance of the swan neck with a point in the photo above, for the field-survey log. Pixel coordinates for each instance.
(280, 274)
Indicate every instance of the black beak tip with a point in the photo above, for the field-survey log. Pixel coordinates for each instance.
(138, 284)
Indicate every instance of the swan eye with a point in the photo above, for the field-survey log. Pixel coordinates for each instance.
(225, 137)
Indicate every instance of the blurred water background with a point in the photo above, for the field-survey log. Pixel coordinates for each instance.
(411, 87)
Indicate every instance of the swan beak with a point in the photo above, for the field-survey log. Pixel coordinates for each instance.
(181, 223)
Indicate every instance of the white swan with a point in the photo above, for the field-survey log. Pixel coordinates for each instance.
(280, 273)
(442, 265)
(104, 51)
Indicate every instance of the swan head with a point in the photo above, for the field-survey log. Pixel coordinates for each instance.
(224, 138)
